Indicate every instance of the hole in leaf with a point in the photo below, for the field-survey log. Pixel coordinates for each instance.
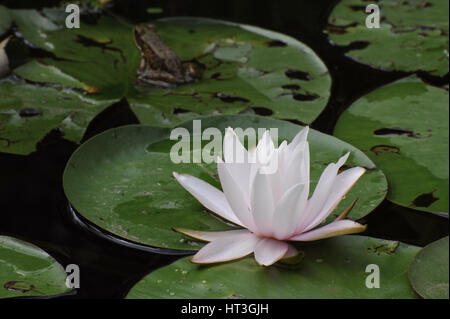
(424, 200)
(304, 97)
(396, 131)
(28, 112)
(227, 98)
(179, 110)
(291, 87)
(263, 111)
(297, 74)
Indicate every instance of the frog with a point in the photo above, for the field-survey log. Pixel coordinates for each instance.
(160, 66)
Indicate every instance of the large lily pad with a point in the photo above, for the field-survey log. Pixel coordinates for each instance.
(428, 272)
(26, 270)
(333, 268)
(121, 180)
(102, 57)
(403, 128)
(29, 112)
(5, 19)
(413, 35)
(246, 68)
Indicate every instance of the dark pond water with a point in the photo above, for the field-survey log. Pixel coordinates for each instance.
(32, 202)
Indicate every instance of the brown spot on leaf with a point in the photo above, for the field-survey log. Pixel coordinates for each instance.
(20, 286)
(91, 89)
(388, 249)
(358, 8)
(102, 44)
(396, 131)
(228, 98)
(380, 149)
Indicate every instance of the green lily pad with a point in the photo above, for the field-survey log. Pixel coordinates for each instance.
(333, 268)
(29, 112)
(428, 272)
(241, 73)
(26, 270)
(403, 128)
(5, 19)
(121, 180)
(413, 35)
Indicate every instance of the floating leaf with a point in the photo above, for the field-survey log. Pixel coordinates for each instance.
(428, 272)
(413, 35)
(240, 73)
(26, 270)
(121, 180)
(403, 128)
(5, 19)
(332, 268)
(28, 113)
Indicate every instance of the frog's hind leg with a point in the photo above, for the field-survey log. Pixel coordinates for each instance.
(158, 78)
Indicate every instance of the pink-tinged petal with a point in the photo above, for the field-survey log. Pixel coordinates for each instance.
(233, 150)
(291, 252)
(336, 228)
(226, 248)
(237, 159)
(288, 211)
(283, 156)
(268, 251)
(262, 203)
(209, 235)
(302, 136)
(297, 169)
(208, 196)
(341, 186)
(235, 196)
(265, 148)
(321, 193)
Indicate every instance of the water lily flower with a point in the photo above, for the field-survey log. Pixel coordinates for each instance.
(272, 208)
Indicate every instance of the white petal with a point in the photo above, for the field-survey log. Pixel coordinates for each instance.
(300, 137)
(208, 196)
(262, 203)
(235, 196)
(268, 251)
(288, 211)
(321, 193)
(237, 159)
(297, 168)
(265, 148)
(209, 235)
(342, 184)
(226, 248)
(336, 228)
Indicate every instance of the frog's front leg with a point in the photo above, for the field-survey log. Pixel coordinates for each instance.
(158, 78)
